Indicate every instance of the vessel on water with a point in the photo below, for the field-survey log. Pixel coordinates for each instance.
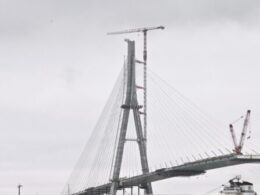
(236, 186)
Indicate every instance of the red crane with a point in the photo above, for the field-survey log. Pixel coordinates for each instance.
(238, 147)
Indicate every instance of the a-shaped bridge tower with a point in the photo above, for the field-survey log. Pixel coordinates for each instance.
(131, 103)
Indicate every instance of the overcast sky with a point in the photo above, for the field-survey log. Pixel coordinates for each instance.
(57, 67)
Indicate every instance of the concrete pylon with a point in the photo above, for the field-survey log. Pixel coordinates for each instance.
(131, 103)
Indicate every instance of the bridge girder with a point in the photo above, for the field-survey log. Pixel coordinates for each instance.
(184, 170)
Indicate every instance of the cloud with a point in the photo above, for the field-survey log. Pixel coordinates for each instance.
(57, 68)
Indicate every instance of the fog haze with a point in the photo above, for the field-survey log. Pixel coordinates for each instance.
(58, 66)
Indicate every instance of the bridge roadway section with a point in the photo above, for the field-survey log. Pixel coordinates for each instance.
(185, 170)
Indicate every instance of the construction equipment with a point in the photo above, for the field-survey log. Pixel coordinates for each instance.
(238, 147)
(144, 31)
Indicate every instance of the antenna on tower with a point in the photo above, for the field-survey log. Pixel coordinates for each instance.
(19, 189)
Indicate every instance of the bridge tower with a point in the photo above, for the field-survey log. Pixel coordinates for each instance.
(130, 104)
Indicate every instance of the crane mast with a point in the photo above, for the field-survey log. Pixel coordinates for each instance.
(144, 31)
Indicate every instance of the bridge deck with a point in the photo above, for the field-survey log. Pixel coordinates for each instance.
(184, 170)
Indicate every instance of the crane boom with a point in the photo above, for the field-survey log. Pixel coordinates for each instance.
(233, 136)
(244, 131)
(136, 30)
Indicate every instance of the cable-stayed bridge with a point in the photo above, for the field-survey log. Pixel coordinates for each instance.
(181, 139)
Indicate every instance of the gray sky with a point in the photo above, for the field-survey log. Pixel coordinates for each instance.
(57, 67)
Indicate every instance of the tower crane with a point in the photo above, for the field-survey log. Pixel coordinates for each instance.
(238, 147)
(144, 31)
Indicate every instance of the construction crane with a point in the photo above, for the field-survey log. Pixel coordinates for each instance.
(238, 147)
(144, 31)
